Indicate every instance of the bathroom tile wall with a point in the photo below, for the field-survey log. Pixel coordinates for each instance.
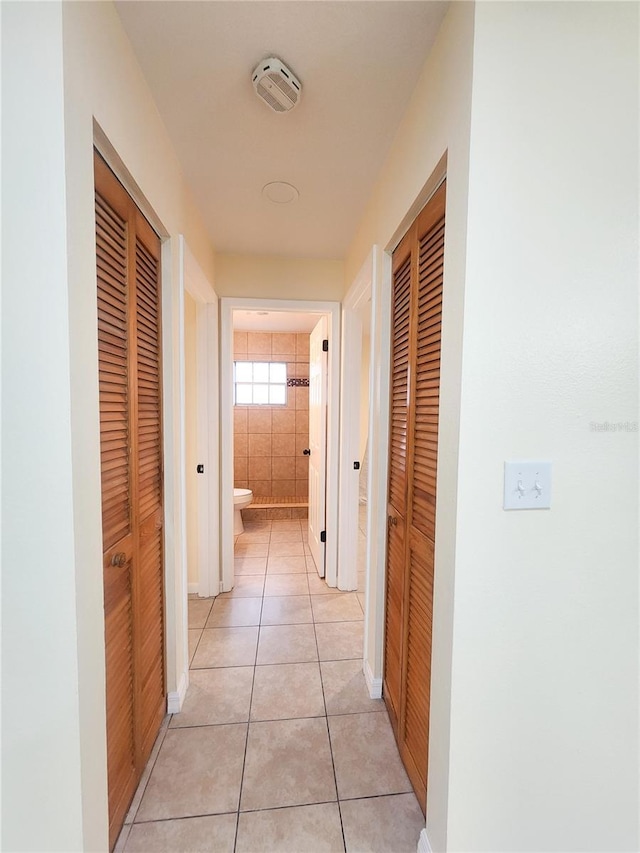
(269, 440)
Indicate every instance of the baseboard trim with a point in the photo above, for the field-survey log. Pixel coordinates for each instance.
(423, 843)
(374, 685)
(193, 588)
(175, 699)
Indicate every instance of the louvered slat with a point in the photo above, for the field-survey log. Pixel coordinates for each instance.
(111, 238)
(427, 379)
(399, 372)
(148, 373)
(418, 661)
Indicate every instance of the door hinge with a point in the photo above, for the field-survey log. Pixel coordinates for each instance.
(325, 345)
(323, 536)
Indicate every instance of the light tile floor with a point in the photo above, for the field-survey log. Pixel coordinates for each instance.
(279, 747)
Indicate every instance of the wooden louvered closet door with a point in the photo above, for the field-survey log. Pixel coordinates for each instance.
(417, 276)
(129, 358)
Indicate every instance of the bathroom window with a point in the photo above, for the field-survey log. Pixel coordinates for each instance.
(259, 383)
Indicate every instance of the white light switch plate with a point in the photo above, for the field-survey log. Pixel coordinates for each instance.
(527, 485)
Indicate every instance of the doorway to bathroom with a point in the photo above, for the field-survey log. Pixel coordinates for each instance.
(279, 420)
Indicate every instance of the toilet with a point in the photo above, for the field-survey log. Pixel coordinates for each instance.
(241, 500)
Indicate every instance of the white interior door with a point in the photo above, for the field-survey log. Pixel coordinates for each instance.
(317, 443)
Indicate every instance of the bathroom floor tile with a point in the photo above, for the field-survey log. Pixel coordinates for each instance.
(198, 772)
(257, 527)
(381, 824)
(235, 612)
(249, 565)
(318, 586)
(286, 549)
(260, 549)
(253, 537)
(286, 536)
(285, 691)
(366, 757)
(291, 584)
(196, 835)
(194, 639)
(288, 763)
(216, 696)
(286, 610)
(280, 525)
(199, 609)
(342, 607)
(245, 586)
(340, 640)
(345, 689)
(286, 565)
(287, 644)
(297, 829)
(226, 647)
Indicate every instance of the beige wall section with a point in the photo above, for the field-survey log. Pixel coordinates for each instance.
(191, 438)
(70, 63)
(436, 122)
(42, 768)
(544, 735)
(288, 278)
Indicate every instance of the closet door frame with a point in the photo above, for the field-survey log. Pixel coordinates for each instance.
(143, 246)
(409, 247)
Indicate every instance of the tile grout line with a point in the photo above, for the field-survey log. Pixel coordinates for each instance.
(326, 719)
(246, 742)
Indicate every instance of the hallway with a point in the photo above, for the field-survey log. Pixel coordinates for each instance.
(279, 747)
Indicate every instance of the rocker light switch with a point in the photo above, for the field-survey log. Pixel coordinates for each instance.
(527, 485)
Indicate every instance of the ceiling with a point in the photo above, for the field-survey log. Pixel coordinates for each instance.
(358, 62)
(274, 321)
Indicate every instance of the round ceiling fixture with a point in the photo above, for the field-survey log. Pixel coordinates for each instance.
(279, 192)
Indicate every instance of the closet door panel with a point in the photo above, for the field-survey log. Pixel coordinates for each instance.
(113, 302)
(425, 410)
(418, 267)
(150, 611)
(129, 362)
(400, 360)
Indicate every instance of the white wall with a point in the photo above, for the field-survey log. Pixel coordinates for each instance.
(56, 722)
(41, 762)
(436, 123)
(544, 732)
(289, 278)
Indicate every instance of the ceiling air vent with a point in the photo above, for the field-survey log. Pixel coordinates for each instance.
(276, 85)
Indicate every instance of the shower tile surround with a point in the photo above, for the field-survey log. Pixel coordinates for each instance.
(268, 440)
